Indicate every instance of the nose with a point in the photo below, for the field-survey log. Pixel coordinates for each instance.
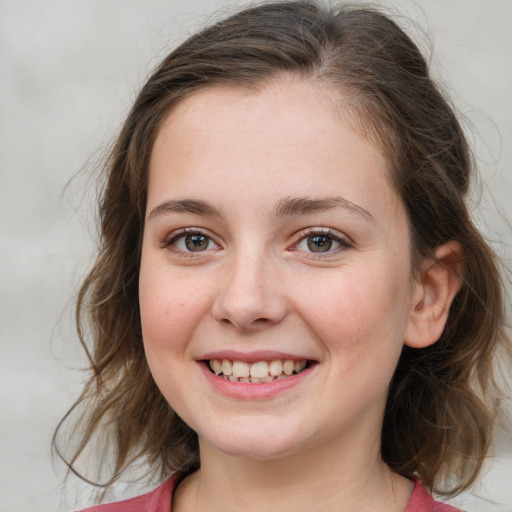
(251, 294)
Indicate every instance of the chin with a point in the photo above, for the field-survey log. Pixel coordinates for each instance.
(262, 444)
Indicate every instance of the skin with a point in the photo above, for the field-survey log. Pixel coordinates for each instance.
(257, 286)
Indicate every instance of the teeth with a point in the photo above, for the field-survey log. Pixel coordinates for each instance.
(216, 366)
(276, 368)
(240, 369)
(258, 372)
(299, 366)
(288, 367)
(259, 369)
(227, 367)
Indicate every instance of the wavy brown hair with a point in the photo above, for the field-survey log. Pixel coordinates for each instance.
(443, 399)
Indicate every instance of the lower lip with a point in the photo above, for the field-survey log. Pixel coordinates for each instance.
(250, 391)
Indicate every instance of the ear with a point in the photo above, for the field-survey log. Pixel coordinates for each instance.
(439, 281)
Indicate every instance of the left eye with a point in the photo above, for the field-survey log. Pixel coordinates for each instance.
(318, 243)
(193, 242)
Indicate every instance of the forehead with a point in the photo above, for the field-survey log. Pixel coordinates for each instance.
(306, 97)
(239, 100)
(289, 132)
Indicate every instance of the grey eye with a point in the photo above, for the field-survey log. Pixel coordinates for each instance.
(194, 242)
(197, 242)
(318, 243)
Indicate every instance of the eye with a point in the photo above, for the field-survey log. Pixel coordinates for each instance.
(320, 241)
(191, 242)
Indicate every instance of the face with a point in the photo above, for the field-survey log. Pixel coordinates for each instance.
(275, 281)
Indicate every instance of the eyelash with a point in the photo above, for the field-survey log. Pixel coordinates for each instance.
(170, 242)
(328, 233)
(302, 236)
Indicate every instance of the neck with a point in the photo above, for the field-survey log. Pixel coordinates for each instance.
(326, 477)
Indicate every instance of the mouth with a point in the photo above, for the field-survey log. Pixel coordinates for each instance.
(258, 372)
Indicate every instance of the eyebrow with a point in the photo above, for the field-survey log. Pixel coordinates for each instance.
(285, 207)
(305, 205)
(192, 206)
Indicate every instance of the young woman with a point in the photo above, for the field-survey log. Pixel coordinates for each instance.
(291, 308)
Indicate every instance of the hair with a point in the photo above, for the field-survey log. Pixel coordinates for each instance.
(443, 399)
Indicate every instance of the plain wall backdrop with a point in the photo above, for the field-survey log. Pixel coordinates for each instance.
(69, 71)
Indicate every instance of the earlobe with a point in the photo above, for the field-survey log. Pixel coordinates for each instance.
(437, 285)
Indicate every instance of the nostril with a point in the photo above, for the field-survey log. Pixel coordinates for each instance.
(246, 303)
(247, 324)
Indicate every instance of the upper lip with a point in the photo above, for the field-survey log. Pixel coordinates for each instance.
(253, 356)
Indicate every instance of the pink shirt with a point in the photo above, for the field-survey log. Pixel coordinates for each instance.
(160, 499)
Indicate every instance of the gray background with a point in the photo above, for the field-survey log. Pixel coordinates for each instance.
(69, 71)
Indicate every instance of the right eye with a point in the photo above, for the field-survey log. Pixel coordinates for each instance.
(191, 242)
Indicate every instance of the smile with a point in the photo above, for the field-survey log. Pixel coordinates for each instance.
(258, 372)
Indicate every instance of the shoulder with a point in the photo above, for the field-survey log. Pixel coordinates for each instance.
(422, 501)
(158, 500)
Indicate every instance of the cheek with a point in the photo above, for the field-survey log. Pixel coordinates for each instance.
(357, 314)
(170, 306)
